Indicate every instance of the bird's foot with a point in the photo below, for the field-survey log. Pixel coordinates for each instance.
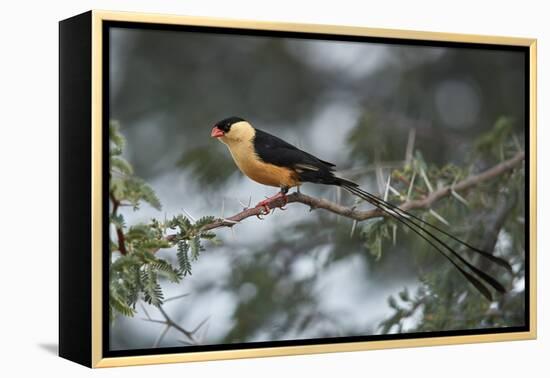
(265, 204)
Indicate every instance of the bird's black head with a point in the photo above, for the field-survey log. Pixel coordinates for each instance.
(222, 127)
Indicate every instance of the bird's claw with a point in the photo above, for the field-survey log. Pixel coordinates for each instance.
(265, 204)
(265, 210)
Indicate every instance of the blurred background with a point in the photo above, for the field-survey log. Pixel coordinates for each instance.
(301, 274)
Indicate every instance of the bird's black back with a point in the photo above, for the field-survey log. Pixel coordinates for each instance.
(276, 151)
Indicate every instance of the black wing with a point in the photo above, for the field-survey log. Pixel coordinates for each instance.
(276, 151)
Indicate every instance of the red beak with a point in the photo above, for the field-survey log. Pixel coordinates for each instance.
(216, 133)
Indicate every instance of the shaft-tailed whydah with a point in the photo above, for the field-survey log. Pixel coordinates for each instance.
(271, 161)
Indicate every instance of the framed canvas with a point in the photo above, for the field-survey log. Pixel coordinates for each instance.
(372, 189)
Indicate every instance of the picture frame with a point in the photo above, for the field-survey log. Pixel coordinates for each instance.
(85, 141)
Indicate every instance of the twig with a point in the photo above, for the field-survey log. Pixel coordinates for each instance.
(426, 180)
(161, 336)
(439, 217)
(119, 231)
(410, 146)
(353, 228)
(387, 188)
(410, 184)
(170, 323)
(189, 215)
(176, 297)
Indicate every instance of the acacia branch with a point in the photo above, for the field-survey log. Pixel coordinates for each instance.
(169, 323)
(119, 233)
(361, 215)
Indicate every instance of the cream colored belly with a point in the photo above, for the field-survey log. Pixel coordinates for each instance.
(266, 174)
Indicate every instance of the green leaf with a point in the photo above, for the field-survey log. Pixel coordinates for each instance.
(138, 232)
(404, 295)
(151, 289)
(492, 141)
(183, 257)
(118, 220)
(149, 196)
(376, 247)
(419, 163)
(375, 231)
(122, 165)
(393, 303)
(165, 268)
(204, 221)
(196, 247)
(135, 190)
(115, 136)
(117, 186)
(208, 235)
(180, 222)
(117, 303)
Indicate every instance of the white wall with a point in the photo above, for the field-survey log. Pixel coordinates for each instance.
(28, 151)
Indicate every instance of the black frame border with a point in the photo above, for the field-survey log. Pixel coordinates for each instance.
(75, 194)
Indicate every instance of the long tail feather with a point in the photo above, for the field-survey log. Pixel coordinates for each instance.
(497, 260)
(431, 239)
(406, 218)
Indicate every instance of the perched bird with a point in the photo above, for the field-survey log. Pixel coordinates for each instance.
(271, 161)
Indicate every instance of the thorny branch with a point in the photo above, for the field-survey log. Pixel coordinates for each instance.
(120, 234)
(361, 215)
(169, 323)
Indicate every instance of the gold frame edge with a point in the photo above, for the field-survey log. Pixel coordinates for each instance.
(533, 188)
(98, 16)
